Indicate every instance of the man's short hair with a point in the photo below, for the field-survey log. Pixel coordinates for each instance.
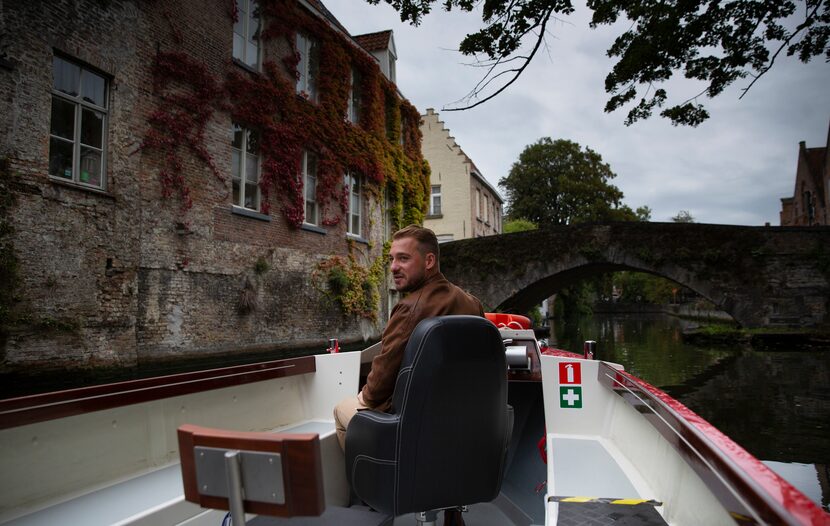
(425, 237)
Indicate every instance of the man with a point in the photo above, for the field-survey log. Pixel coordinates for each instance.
(416, 271)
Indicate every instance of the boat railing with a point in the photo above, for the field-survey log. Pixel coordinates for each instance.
(748, 489)
(58, 404)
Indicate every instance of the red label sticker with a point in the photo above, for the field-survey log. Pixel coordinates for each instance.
(570, 373)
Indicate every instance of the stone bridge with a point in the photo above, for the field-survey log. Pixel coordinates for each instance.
(761, 276)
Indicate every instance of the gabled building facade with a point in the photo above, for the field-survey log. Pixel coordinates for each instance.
(462, 203)
(192, 179)
(810, 203)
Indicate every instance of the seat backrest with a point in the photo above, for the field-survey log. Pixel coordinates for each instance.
(451, 398)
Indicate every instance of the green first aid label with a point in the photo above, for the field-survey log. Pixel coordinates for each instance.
(570, 397)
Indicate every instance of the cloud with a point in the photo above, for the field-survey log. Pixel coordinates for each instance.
(733, 169)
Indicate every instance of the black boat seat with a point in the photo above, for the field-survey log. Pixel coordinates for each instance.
(444, 442)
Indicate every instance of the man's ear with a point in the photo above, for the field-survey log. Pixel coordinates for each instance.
(429, 260)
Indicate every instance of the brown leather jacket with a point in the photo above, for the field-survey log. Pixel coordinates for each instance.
(436, 297)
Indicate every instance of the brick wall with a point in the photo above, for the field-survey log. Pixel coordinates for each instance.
(113, 277)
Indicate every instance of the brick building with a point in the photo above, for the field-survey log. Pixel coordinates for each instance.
(462, 203)
(810, 203)
(194, 178)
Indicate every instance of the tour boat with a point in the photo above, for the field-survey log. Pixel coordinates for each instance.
(588, 441)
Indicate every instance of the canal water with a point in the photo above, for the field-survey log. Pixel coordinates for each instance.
(774, 404)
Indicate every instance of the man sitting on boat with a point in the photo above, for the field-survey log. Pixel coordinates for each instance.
(414, 258)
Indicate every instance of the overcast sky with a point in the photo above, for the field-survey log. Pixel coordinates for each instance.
(732, 169)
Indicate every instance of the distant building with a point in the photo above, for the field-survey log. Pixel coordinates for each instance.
(462, 203)
(810, 201)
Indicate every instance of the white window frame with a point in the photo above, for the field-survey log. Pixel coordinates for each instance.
(433, 210)
(245, 10)
(307, 69)
(80, 104)
(353, 180)
(307, 177)
(243, 163)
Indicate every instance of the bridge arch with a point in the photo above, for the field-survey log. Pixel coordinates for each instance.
(761, 276)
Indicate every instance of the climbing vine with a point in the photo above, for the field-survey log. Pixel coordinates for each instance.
(355, 288)
(384, 146)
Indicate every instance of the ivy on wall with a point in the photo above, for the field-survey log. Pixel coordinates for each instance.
(352, 286)
(289, 124)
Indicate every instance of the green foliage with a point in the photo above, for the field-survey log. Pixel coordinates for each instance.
(518, 225)
(683, 217)
(261, 266)
(640, 287)
(716, 43)
(354, 287)
(557, 183)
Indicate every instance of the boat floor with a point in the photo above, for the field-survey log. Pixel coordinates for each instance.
(482, 514)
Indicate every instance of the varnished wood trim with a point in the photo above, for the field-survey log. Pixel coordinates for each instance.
(48, 406)
(301, 464)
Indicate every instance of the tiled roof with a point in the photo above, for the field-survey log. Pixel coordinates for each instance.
(374, 41)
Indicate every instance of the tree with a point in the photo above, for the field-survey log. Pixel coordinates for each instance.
(683, 217)
(518, 225)
(557, 183)
(716, 42)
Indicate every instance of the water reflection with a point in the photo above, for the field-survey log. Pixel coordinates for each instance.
(775, 404)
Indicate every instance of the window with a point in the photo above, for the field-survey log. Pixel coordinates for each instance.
(308, 66)
(487, 209)
(478, 203)
(245, 167)
(246, 33)
(310, 188)
(355, 204)
(435, 201)
(78, 124)
(355, 96)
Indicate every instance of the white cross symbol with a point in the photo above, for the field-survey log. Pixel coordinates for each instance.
(571, 397)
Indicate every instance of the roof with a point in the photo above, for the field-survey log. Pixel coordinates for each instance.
(374, 41)
(323, 10)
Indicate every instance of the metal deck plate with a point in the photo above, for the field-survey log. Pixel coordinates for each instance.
(601, 513)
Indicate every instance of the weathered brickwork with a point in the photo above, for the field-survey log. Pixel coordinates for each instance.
(121, 275)
(761, 276)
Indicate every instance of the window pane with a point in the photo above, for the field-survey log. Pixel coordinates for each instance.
(60, 158)
(311, 212)
(63, 118)
(241, 15)
(238, 46)
(251, 55)
(251, 162)
(66, 76)
(253, 142)
(313, 67)
(310, 188)
(251, 200)
(354, 203)
(238, 136)
(90, 166)
(236, 160)
(301, 64)
(93, 88)
(92, 128)
(355, 225)
(236, 192)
